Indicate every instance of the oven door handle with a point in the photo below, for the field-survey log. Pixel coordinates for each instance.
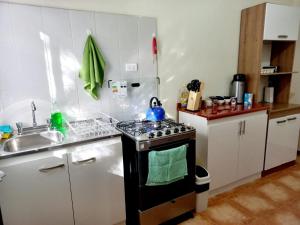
(130, 168)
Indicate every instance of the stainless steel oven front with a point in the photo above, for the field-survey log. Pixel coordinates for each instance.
(153, 205)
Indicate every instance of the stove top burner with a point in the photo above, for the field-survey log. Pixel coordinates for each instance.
(137, 127)
(146, 129)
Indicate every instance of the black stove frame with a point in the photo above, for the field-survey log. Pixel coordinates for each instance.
(140, 197)
(136, 127)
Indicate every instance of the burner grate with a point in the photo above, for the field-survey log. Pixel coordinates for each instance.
(140, 127)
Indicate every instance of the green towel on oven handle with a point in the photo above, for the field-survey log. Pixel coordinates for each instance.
(92, 68)
(166, 167)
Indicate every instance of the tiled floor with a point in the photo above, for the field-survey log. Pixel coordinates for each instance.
(272, 200)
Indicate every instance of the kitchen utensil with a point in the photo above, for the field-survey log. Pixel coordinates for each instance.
(238, 86)
(269, 94)
(155, 112)
(208, 103)
(221, 102)
(227, 100)
(233, 101)
(194, 85)
(194, 101)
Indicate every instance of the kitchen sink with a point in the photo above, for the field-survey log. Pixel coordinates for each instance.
(33, 141)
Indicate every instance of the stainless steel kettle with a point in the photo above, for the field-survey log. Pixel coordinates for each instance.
(238, 87)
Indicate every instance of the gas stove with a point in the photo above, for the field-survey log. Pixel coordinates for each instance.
(146, 130)
(150, 205)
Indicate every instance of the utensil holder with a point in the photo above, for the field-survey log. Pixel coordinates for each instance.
(195, 100)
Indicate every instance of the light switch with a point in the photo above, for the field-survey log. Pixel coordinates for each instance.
(131, 67)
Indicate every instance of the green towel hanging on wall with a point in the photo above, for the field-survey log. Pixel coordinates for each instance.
(92, 68)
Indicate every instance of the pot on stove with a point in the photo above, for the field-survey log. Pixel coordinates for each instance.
(155, 112)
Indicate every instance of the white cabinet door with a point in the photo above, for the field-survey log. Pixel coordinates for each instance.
(276, 143)
(223, 147)
(282, 141)
(292, 137)
(36, 192)
(281, 22)
(252, 145)
(97, 183)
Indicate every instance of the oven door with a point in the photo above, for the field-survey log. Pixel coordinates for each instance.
(150, 196)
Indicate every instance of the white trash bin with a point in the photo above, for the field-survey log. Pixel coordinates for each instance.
(202, 188)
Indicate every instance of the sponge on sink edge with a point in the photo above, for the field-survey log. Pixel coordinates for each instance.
(6, 136)
(6, 129)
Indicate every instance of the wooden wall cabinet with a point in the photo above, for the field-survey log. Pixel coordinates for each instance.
(268, 37)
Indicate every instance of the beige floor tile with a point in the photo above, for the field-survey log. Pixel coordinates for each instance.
(286, 218)
(298, 205)
(197, 220)
(225, 213)
(274, 192)
(253, 203)
(297, 172)
(271, 200)
(291, 182)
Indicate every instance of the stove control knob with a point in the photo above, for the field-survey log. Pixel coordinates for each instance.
(168, 132)
(151, 135)
(176, 130)
(182, 129)
(159, 133)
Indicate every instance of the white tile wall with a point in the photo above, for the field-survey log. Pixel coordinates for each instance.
(106, 33)
(148, 65)
(128, 44)
(41, 51)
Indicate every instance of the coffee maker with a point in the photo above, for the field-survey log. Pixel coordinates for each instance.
(238, 87)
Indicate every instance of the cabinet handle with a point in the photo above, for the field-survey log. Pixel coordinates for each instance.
(283, 36)
(291, 119)
(46, 169)
(244, 127)
(2, 175)
(90, 160)
(281, 121)
(241, 127)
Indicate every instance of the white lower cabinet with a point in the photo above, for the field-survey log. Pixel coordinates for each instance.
(282, 143)
(36, 192)
(252, 146)
(231, 148)
(223, 149)
(81, 185)
(97, 183)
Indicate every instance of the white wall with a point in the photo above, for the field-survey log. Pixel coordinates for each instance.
(198, 39)
(41, 51)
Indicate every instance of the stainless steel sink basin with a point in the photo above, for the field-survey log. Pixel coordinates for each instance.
(33, 141)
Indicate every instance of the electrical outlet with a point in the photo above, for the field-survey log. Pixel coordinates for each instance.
(131, 67)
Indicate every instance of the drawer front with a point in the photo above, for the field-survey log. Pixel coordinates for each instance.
(282, 141)
(168, 210)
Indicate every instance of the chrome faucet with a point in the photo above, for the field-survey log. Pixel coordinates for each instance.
(33, 109)
(19, 127)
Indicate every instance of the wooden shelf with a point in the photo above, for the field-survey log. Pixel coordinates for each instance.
(253, 52)
(279, 73)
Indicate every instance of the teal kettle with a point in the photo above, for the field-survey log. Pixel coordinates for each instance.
(155, 113)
